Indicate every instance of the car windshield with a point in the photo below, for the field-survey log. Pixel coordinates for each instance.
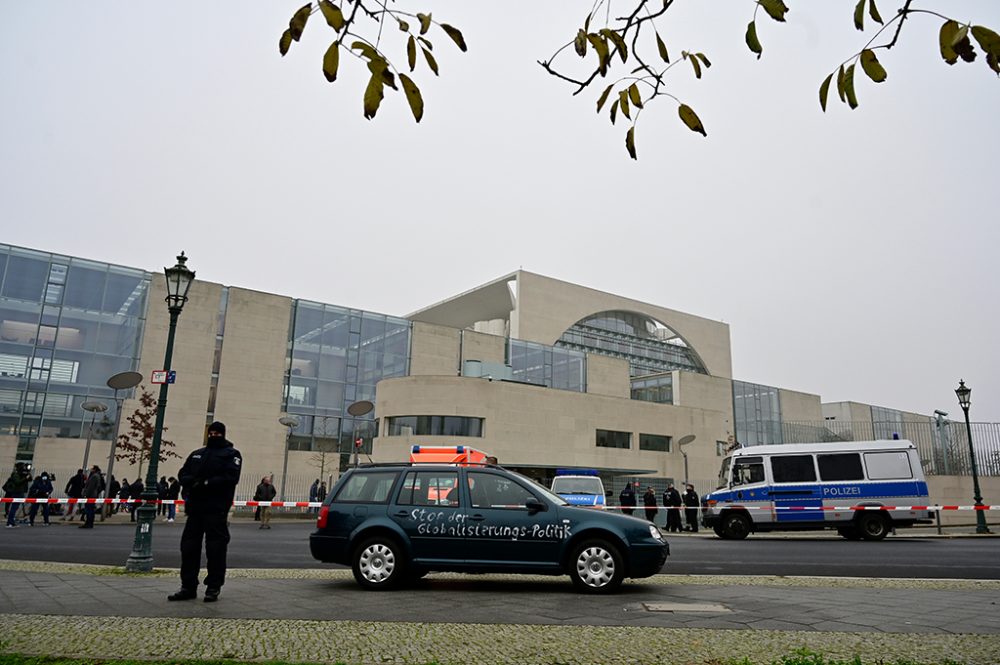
(724, 473)
(541, 489)
(577, 485)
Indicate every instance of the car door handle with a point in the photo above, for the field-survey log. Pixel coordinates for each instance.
(402, 513)
(478, 517)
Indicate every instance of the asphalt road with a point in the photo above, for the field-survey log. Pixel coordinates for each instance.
(286, 546)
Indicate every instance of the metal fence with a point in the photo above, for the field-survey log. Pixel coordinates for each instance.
(943, 444)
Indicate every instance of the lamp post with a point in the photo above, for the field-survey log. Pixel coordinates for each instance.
(965, 400)
(291, 423)
(93, 408)
(683, 441)
(120, 381)
(358, 409)
(179, 279)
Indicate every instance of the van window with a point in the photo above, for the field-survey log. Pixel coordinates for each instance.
(366, 488)
(747, 470)
(793, 469)
(840, 466)
(888, 465)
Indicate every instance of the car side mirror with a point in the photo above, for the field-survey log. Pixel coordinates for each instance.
(535, 506)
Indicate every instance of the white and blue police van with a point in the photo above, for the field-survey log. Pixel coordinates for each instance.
(853, 487)
(580, 487)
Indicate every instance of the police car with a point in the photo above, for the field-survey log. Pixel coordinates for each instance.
(388, 522)
(580, 487)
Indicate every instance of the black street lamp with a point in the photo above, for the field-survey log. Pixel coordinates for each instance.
(965, 400)
(179, 280)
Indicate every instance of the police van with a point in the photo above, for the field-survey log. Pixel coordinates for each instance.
(803, 486)
(580, 487)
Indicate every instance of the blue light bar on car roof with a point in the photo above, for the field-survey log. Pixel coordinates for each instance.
(577, 472)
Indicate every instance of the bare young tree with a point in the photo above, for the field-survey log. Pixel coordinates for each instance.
(134, 445)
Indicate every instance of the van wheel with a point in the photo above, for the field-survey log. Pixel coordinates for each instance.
(735, 526)
(849, 532)
(596, 567)
(720, 532)
(379, 564)
(873, 526)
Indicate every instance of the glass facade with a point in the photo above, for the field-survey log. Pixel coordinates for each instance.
(66, 326)
(542, 365)
(659, 389)
(434, 426)
(336, 356)
(757, 411)
(648, 345)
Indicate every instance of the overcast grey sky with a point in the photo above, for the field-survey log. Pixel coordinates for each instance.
(850, 253)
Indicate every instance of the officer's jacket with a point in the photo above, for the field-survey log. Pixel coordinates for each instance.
(209, 477)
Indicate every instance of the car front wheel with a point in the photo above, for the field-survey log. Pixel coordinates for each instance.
(596, 567)
(379, 563)
(736, 526)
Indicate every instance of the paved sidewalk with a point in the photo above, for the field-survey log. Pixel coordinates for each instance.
(321, 615)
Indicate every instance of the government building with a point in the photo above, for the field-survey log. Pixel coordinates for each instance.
(542, 373)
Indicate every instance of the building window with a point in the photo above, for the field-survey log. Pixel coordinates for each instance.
(721, 448)
(757, 409)
(607, 438)
(659, 389)
(656, 442)
(435, 426)
(542, 365)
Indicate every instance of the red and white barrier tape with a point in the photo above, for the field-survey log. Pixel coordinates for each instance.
(317, 504)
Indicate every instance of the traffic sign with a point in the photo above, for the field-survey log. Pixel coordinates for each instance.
(162, 376)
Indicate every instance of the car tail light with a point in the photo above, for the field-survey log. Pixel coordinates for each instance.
(321, 520)
(711, 502)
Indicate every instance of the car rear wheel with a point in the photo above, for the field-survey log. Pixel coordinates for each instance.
(596, 567)
(736, 526)
(379, 563)
(873, 526)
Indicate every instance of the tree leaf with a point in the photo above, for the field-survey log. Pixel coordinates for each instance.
(426, 42)
(334, 17)
(431, 62)
(373, 96)
(840, 84)
(456, 36)
(634, 96)
(411, 53)
(580, 43)
(586, 23)
(691, 119)
(298, 22)
(604, 97)
(962, 33)
(852, 99)
(623, 103)
(367, 50)
(946, 39)
(993, 62)
(403, 25)
(872, 66)
(630, 141)
(694, 63)
(413, 96)
(603, 54)
(704, 60)
(752, 42)
(963, 46)
(614, 111)
(776, 9)
(425, 23)
(859, 15)
(618, 41)
(988, 40)
(824, 90)
(662, 48)
(331, 61)
(873, 12)
(285, 42)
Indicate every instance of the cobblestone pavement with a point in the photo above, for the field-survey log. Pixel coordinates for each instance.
(322, 616)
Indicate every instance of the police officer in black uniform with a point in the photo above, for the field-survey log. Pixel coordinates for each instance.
(209, 478)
